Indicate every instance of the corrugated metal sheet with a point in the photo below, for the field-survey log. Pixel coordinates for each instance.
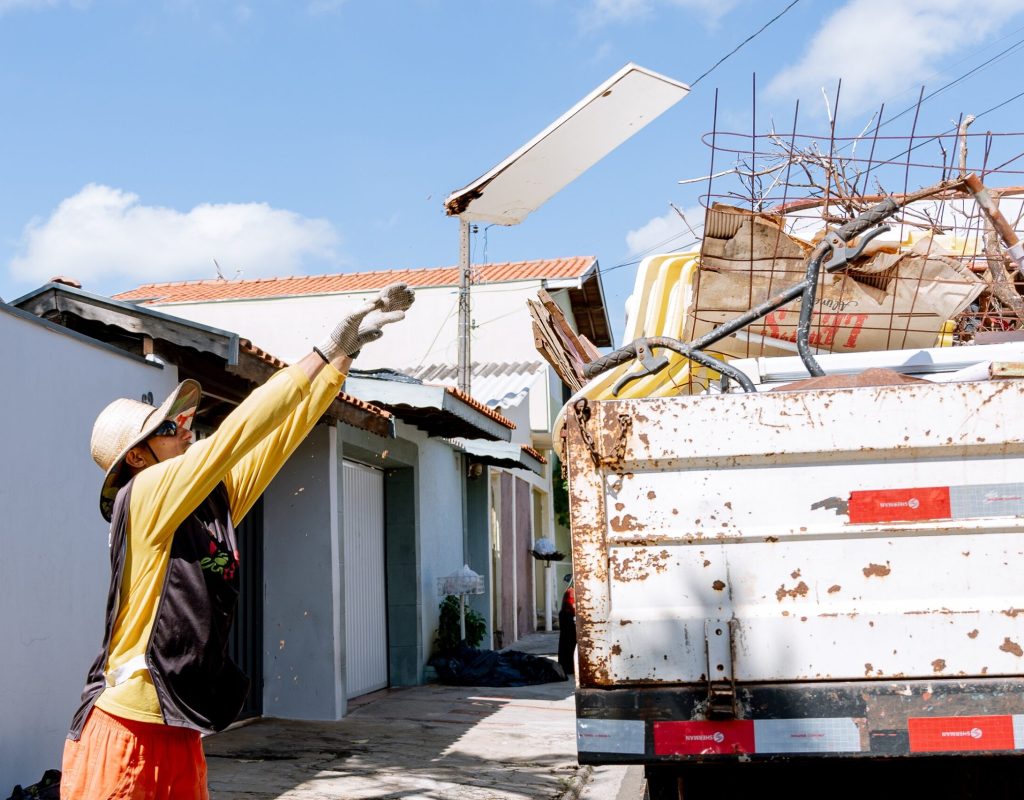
(502, 454)
(497, 384)
(438, 410)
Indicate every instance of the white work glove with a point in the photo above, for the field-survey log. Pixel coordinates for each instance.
(364, 325)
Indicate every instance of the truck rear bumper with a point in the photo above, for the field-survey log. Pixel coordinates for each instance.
(652, 724)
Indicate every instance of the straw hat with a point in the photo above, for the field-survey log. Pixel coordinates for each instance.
(125, 423)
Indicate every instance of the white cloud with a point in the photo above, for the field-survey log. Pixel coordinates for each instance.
(104, 233)
(666, 233)
(604, 12)
(880, 48)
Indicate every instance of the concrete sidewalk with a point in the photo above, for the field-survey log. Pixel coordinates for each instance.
(430, 741)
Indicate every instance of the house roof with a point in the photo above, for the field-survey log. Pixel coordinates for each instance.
(206, 290)
(579, 275)
(498, 384)
(502, 454)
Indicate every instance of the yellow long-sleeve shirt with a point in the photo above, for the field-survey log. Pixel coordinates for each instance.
(246, 451)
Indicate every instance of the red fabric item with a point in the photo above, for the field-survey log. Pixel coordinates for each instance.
(128, 760)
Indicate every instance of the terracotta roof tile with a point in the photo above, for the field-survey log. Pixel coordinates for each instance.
(534, 453)
(196, 291)
(483, 409)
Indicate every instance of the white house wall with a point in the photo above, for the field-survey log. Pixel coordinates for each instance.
(289, 327)
(440, 485)
(54, 561)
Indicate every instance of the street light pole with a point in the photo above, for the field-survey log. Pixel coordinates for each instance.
(464, 367)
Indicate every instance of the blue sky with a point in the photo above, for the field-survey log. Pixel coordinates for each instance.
(142, 141)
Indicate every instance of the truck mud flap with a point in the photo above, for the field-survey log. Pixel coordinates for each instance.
(647, 724)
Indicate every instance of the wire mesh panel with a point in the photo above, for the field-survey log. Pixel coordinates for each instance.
(945, 273)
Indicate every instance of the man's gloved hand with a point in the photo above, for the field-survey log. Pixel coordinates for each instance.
(364, 325)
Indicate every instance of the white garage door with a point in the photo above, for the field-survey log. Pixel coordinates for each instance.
(366, 635)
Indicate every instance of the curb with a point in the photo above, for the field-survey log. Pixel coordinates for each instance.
(578, 782)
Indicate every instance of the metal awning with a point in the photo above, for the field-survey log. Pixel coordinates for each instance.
(437, 410)
(502, 454)
(586, 133)
(227, 366)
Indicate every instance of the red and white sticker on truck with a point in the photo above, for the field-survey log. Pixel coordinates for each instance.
(837, 735)
(944, 734)
(794, 736)
(936, 503)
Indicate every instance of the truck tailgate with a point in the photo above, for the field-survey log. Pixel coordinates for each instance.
(826, 534)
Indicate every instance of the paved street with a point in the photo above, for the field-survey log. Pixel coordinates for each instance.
(428, 741)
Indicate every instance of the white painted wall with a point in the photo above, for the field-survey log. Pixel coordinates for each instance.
(289, 327)
(54, 561)
(440, 503)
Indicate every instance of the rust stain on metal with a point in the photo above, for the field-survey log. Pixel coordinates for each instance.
(639, 566)
(616, 650)
(619, 506)
(718, 586)
(627, 522)
(644, 438)
(973, 634)
(879, 570)
(651, 494)
(868, 669)
(593, 670)
(728, 505)
(834, 588)
(1012, 612)
(707, 563)
(965, 553)
(771, 539)
(800, 590)
(994, 395)
(795, 574)
(1010, 646)
(938, 665)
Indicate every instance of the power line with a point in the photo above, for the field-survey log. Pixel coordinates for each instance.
(993, 59)
(745, 41)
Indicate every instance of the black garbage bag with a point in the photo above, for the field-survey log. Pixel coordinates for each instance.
(46, 788)
(470, 666)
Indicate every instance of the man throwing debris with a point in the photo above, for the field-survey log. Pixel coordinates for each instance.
(163, 677)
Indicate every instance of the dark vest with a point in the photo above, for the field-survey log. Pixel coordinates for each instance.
(197, 685)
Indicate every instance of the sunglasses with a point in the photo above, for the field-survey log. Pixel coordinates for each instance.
(166, 428)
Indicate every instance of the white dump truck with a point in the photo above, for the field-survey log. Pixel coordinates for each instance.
(821, 561)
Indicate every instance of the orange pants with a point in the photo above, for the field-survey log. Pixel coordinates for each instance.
(127, 760)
